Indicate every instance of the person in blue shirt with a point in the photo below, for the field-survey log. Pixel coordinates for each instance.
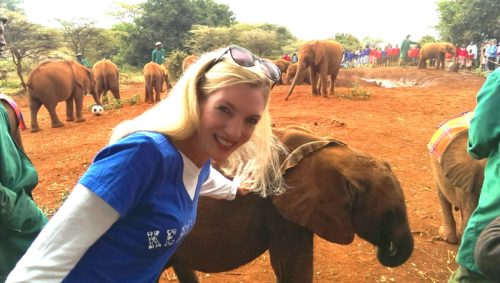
(158, 54)
(137, 201)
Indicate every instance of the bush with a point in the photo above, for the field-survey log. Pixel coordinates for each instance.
(355, 93)
(174, 63)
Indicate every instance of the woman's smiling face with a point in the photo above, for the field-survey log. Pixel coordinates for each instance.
(228, 118)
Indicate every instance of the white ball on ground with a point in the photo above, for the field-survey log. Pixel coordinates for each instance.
(97, 110)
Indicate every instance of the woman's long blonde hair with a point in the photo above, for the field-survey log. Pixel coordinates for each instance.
(178, 116)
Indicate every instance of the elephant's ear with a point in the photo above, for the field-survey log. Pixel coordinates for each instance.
(317, 197)
(319, 52)
(459, 168)
(82, 78)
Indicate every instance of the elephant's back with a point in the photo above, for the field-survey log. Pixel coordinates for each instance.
(104, 67)
(151, 68)
(50, 73)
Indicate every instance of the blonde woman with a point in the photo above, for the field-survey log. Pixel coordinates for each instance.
(137, 201)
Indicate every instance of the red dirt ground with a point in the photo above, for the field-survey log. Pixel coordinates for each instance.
(394, 123)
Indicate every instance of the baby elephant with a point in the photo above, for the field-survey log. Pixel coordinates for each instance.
(459, 179)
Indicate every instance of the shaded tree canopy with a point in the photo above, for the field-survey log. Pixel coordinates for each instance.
(169, 21)
(463, 21)
(28, 41)
(265, 40)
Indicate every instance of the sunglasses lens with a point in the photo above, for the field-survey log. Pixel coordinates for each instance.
(270, 70)
(242, 56)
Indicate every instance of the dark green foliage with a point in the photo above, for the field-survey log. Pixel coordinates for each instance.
(463, 21)
(169, 21)
(174, 63)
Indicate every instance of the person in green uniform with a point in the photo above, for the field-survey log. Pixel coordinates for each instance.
(158, 54)
(82, 60)
(405, 46)
(484, 142)
(20, 217)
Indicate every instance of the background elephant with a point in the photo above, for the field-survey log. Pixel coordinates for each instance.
(334, 192)
(459, 179)
(52, 82)
(302, 78)
(154, 76)
(323, 58)
(166, 77)
(188, 60)
(107, 78)
(437, 51)
(283, 66)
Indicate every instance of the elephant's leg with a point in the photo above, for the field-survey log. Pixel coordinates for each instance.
(333, 77)
(290, 250)
(324, 84)
(447, 230)
(148, 97)
(421, 63)
(469, 205)
(158, 87)
(314, 81)
(79, 107)
(185, 275)
(56, 123)
(70, 116)
(35, 105)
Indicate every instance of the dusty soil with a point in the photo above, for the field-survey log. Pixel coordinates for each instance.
(394, 123)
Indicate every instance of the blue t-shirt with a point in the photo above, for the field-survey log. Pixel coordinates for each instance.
(140, 176)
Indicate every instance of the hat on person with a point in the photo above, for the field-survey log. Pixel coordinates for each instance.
(3, 19)
(78, 54)
(158, 43)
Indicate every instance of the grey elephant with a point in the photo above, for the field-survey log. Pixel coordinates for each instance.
(323, 58)
(435, 50)
(459, 179)
(56, 81)
(334, 192)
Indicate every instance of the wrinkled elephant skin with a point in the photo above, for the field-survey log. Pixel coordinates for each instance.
(107, 78)
(323, 58)
(435, 50)
(56, 81)
(334, 192)
(459, 179)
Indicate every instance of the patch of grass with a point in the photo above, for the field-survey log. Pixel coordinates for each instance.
(134, 99)
(479, 71)
(355, 93)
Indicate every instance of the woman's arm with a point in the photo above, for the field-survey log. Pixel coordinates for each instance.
(218, 186)
(79, 223)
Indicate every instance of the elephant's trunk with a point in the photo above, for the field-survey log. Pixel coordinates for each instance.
(96, 97)
(396, 251)
(295, 79)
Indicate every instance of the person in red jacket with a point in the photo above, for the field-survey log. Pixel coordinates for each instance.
(287, 57)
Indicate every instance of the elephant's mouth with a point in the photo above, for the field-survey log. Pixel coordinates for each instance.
(392, 254)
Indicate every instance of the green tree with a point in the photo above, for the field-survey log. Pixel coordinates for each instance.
(28, 41)
(425, 39)
(205, 38)
(11, 5)
(264, 39)
(169, 21)
(462, 21)
(348, 41)
(79, 34)
(260, 42)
